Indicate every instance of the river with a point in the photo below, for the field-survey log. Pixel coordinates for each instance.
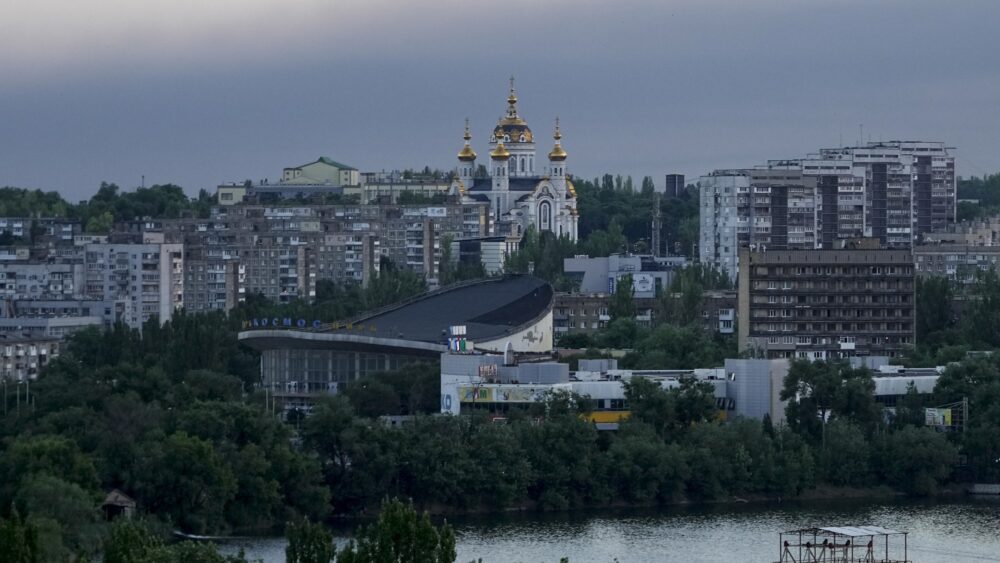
(958, 531)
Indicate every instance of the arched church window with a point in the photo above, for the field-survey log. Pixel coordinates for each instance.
(521, 164)
(522, 137)
(506, 138)
(545, 216)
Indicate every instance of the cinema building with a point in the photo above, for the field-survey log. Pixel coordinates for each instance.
(300, 360)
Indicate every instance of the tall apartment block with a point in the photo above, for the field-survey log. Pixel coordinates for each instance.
(896, 192)
(822, 304)
(674, 185)
(723, 194)
(910, 187)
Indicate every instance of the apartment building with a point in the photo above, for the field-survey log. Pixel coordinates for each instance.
(147, 278)
(722, 194)
(281, 252)
(896, 192)
(823, 304)
(21, 357)
(960, 263)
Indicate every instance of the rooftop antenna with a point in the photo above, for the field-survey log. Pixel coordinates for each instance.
(861, 133)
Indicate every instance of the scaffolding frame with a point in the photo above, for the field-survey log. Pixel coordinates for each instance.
(846, 544)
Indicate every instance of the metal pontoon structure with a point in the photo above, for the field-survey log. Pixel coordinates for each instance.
(847, 544)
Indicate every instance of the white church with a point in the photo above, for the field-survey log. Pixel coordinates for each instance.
(521, 191)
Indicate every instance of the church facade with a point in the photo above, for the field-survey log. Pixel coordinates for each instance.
(522, 191)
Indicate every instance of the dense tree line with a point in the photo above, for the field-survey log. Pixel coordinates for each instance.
(672, 447)
(108, 205)
(944, 334)
(986, 190)
(610, 204)
(167, 416)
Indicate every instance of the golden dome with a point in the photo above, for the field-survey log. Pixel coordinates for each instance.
(467, 154)
(558, 153)
(500, 153)
(511, 127)
(570, 187)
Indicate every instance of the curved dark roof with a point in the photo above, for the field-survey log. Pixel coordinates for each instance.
(488, 309)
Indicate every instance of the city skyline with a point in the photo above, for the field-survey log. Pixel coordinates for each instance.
(201, 95)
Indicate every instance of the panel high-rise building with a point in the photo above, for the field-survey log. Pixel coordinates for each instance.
(674, 185)
(895, 192)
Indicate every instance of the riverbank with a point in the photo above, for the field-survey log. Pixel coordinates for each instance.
(819, 493)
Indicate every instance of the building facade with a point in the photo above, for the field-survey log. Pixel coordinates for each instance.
(722, 194)
(896, 192)
(147, 278)
(22, 357)
(961, 264)
(826, 304)
(650, 274)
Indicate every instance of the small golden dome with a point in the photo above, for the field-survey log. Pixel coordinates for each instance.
(467, 154)
(574, 212)
(570, 187)
(558, 154)
(500, 153)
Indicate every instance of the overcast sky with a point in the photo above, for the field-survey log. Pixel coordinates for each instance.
(202, 92)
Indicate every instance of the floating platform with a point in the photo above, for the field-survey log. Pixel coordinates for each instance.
(844, 544)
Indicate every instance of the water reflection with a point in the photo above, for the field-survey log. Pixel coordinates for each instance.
(954, 531)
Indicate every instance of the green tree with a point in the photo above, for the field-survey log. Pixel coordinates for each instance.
(934, 314)
(100, 224)
(817, 391)
(18, 541)
(401, 535)
(55, 456)
(647, 186)
(308, 543)
(909, 409)
(623, 302)
(982, 323)
(391, 285)
(846, 459)
(64, 514)
(188, 479)
(130, 541)
(916, 460)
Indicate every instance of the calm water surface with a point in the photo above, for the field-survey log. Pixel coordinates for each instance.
(954, 532)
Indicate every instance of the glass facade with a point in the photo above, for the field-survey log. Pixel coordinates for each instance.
(301, 372)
